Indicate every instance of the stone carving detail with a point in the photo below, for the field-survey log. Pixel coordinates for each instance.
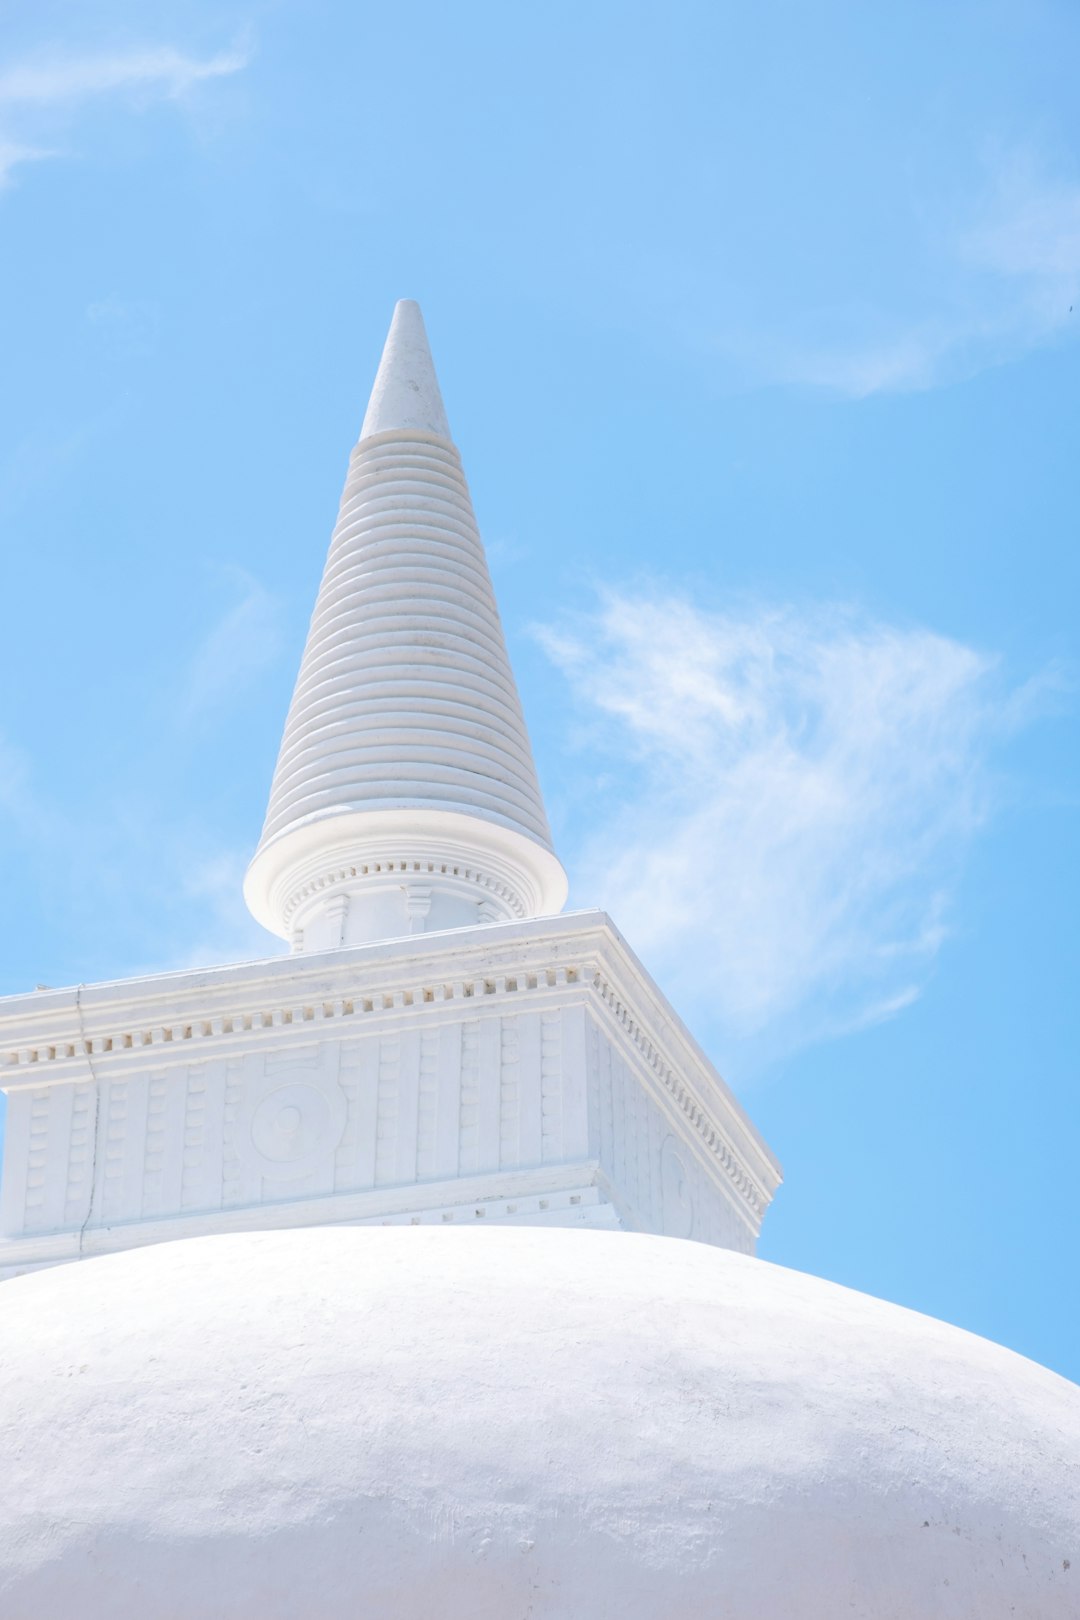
(290, 1123)
(425, 1073)
(678, 1201)
(421, 898)
(80, 1154)
(38, 1146)
(234, 1169)
(387, 1107)
(469, 1107)
(153, 1166)
(509, 1093)
(657, 1179)
(702, 1123)
(192, 1175)
(291, 1129)
(427, 1109)
(358, 1077)
(551, 1087)
(112, 1165)
(165, 1038)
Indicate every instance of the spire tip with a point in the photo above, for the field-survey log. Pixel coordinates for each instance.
(406, 395)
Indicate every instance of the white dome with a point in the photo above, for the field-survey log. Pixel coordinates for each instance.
(441, 1424)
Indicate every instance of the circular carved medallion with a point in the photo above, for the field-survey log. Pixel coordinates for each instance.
(292, 1129)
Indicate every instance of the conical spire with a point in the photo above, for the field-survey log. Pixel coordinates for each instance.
(405, 795)
(406, 394)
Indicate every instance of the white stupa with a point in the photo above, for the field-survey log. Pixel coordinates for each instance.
(337, 1391)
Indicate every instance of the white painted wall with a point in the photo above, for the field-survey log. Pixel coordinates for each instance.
(492, 1067)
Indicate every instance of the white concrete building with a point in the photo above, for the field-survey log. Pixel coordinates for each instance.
(288, 1410)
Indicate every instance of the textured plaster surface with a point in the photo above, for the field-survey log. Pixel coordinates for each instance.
(495, 1424)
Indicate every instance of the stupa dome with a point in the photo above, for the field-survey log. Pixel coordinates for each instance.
(484, 1424)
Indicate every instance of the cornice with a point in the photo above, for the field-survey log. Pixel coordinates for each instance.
(53, 1036)
(407, 867)
(701, 1121)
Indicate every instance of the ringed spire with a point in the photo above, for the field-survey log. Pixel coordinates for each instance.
(405, 796)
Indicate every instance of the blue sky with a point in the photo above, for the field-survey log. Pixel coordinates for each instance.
(757, 331)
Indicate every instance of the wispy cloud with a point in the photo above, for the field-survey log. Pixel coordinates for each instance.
(997, 280)
(13, 153)
(1031, 231)
(796, 792)
(53, 88)
(234, 652)
(212, 890)
(920, 357)
(162, 69)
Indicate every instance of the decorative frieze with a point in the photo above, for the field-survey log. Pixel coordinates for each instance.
(281, 1017)
(410, 874)
(493, 1051)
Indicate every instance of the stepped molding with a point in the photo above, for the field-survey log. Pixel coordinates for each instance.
(69, 1056)
(405, 704)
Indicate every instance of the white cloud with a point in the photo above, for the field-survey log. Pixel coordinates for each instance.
(12, 154)
(903, 363)
(244, 641)
(1000, 281)
(163, 69)
(53, 88)
(1031, 231)
(796, 793)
